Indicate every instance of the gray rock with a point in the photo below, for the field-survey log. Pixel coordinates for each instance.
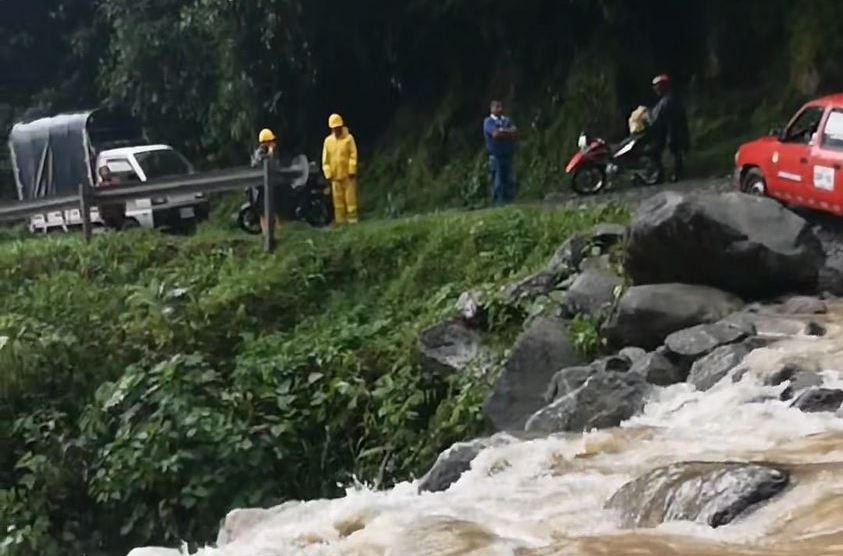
(766, 324)
(530, 287)
(608, 235)
(800, 374)
(592, 292)
(566, 381)
(448, 347)
(814, 328)
(804, 305)
(830, 279)
(611, 364)
(604, 400)
(567, 259)
(748, 245)
(597, 263)
(645, 315)
(632, 354)
(710, 493)
(709, 370)
(817, 400)
(658, 370)
(456, 460)
(539, 353)
(697, 341)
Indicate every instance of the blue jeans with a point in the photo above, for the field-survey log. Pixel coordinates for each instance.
(503, 180)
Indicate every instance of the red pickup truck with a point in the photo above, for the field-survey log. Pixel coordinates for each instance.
(801, 165)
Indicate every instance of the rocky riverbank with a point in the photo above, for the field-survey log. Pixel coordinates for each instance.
(697, 294)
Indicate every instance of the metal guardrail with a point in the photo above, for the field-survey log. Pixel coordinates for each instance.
(206, 182)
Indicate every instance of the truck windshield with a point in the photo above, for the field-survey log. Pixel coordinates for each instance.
(162, 163)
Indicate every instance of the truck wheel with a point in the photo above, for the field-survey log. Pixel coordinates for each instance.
(753, 183)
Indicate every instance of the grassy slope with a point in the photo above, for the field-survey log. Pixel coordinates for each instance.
(239, 378)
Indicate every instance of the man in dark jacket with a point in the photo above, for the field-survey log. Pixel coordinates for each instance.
(670, 125)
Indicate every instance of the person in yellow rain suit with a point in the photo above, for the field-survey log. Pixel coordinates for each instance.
(339, 164)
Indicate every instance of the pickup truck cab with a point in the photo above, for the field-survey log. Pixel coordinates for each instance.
(140, 164)
(801, 165)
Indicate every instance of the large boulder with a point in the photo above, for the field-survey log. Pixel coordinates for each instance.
(456, 460)
(711, 369)
(604, 400)
(748, 245)
(448, 347)
(709, 493)
(542, 350)
(592, 292)
(645, 315)
(695, 342)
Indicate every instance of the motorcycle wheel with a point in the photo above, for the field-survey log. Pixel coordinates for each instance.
(651, 172)
(588, 180)
(315, 212)
(249, 221)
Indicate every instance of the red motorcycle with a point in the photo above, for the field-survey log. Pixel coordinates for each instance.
(598, 165)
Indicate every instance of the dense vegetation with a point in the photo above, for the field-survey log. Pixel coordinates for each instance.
(414, 78)
(151, 383)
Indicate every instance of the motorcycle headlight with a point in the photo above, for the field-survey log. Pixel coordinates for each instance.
(582, 142)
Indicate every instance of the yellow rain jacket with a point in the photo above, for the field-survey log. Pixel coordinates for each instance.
(339, 156)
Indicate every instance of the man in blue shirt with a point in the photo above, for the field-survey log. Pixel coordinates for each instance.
(500, 134)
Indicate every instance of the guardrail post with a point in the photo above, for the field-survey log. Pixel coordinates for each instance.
(268, 208)
(85, 210)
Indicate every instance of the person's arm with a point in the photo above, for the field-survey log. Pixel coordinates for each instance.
(326, 162)
(352, 158)
(508, 132)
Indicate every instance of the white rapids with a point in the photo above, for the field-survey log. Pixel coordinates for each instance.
(543, 497)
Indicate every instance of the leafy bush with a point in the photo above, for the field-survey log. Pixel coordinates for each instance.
(150, 383)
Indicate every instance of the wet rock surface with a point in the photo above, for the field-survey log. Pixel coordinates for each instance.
(804, 305)
(751, 246)
(709, 370)
(456, 460)
(448, 347)
(817, 400)
(710, 493)
(697, 341)
(542, 350)
(604, 400)
(658, 370)
(645, 315)
(592, 292)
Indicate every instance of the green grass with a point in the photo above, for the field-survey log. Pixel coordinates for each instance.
(150, 382)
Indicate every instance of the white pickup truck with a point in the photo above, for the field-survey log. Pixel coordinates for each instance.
(52, 156)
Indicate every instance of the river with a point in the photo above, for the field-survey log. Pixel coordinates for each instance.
(547, 496)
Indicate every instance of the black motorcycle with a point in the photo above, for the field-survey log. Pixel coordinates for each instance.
(306, 200)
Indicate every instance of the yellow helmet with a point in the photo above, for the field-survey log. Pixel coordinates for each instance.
(335, 121)
(266, 136)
